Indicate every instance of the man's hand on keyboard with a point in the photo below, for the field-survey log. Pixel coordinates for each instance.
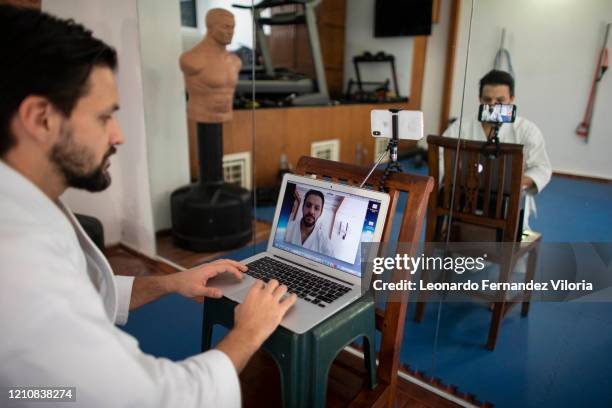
(263, 309)
(192, 283)
(255, 320)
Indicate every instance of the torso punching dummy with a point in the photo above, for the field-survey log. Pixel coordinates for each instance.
(211, 215)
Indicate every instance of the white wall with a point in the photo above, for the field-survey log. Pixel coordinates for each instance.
(125, 207)
(459, 73)
(164, 103)
(345, 242)
(435, 60)
(359, 37)
(554, 46)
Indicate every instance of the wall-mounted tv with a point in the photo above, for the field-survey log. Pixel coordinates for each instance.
(397, 18)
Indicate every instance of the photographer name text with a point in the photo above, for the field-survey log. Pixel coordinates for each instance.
(484, 285)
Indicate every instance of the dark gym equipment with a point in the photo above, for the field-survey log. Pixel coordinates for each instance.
(211, 215)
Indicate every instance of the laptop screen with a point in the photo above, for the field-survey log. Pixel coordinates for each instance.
(326, 226)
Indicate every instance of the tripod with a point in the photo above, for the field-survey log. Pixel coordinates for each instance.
(492, 140)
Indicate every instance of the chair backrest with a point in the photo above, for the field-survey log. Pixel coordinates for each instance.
(390, 322)
(484, 187)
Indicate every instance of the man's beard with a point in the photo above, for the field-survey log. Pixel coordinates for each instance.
(74, 162)
(309, 224)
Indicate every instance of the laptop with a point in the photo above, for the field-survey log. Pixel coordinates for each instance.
(314, 248)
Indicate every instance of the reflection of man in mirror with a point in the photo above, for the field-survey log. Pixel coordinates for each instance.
(211, 72)
(497, 87)
(306, 232)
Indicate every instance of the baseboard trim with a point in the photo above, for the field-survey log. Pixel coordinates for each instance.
(161, 263)
(169, 263)
(585, 178)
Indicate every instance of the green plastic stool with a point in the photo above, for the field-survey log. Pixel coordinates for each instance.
(304, 359)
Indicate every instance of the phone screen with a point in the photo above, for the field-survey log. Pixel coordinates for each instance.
(497, 113)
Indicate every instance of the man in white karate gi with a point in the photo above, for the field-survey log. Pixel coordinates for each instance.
(60, 300)
(497, 87)
(305, 231)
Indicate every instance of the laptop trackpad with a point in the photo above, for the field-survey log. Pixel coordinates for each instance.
(229, 284)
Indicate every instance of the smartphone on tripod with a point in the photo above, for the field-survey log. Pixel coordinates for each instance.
(498, 113)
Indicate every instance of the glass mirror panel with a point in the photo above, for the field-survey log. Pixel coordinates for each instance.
(524, 345)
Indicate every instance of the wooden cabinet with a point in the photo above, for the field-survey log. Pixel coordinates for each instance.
(292, 131)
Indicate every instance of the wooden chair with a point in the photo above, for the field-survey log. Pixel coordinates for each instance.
(390, 322)
(485, 208)
(320, 345)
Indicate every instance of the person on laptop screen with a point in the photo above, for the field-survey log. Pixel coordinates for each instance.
(305, 231)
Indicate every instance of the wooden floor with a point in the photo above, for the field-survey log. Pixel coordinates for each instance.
(260, 379)
(189, 259)
(346, 378)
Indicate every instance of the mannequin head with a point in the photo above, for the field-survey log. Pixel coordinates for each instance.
(220, 26)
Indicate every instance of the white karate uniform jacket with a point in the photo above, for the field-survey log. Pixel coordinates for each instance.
(522, 131)
(59, 303)
(316, 241)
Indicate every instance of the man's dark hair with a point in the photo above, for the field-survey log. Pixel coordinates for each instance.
(318, 194)
(45, 56)
(496, 77)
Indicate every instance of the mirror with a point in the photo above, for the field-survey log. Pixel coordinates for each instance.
(273, 133)
(523, 347)
(342, 131)
(270, 141)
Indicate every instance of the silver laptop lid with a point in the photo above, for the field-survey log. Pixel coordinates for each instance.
(320, 224)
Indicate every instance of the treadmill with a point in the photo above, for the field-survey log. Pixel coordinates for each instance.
(272, 81)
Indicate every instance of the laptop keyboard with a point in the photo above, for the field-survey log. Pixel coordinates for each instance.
(307, 286)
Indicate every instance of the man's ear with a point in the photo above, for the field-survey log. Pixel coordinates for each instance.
(39, 120)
